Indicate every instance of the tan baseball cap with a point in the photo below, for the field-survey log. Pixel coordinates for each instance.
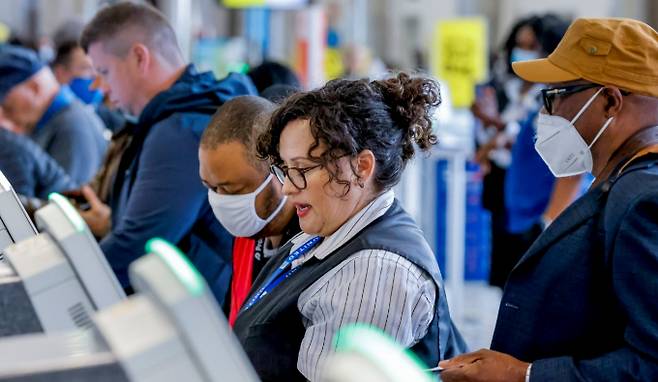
(607, 51)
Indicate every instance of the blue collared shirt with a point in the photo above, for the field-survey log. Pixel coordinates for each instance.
(73, 135)
(63, 99)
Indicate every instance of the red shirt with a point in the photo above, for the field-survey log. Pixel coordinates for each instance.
(243, 265)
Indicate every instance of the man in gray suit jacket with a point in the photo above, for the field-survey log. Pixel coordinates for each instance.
(582, 303)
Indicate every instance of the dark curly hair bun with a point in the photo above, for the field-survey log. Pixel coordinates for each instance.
(411, 101)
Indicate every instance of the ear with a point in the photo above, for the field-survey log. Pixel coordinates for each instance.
(142, 56)
(365, 165)
(614, 101)
(60, 74)
(34, 87)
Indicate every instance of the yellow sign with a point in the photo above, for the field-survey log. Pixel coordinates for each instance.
(244, 3)
(4, 32)
(333, 63)
(273, 4)
(460, 57)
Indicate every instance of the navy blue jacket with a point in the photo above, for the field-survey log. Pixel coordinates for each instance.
(29, 169)
(158, 193)
(582, 304)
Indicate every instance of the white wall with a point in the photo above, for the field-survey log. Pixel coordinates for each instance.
(11, 14)
(393, 28)
(409, 24)
(53, 13)
(15, 15)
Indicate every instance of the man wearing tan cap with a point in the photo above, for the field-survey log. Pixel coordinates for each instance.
(582, 304)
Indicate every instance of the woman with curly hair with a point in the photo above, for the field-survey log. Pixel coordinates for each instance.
(338, 151)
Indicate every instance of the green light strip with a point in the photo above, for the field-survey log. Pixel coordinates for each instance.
(399, 364)
(68, 210)
(179, 264)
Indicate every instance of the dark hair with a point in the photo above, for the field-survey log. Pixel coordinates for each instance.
(241, 119)
(121, 25)
(548, 30)
(272, 73)
(388, 117)
(64, 53)
(553, 29)
(534, 23)
(277, 93)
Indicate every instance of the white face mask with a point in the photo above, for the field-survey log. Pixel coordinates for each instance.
(237, 213)
(560, 145)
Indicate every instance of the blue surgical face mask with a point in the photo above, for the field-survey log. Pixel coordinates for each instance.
(80, 86)
(520, 54)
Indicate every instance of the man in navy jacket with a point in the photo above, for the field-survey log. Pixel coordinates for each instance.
(582, 303)
(157, 191)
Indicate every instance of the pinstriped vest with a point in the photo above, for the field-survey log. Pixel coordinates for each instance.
(271, 331)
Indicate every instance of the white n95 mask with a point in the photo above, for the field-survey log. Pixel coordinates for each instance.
(560, 145)
(237, 213)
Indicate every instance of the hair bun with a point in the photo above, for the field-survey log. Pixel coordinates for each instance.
(411, 101)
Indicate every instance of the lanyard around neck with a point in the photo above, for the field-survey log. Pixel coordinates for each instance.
(280, 273)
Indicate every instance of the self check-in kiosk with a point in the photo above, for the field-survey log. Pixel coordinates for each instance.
(171, 330)
(56, 279)
(15, 224)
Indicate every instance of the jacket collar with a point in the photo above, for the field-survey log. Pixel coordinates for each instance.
(592, 202)
(575, 215)
(636, 143)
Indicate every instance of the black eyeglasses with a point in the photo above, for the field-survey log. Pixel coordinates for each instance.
(297, 175)
(548, 95)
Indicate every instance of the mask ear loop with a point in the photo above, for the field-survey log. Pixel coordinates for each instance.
(279, 207)
(263, 185)
(589, 102)
(605, 126)
(282, 203)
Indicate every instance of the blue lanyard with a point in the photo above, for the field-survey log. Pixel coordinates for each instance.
(278, 275)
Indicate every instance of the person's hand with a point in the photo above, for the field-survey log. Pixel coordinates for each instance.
(76, 198)
(482, 154)
(483, 365)
(485, 108)
(482, 159)
(98, 215)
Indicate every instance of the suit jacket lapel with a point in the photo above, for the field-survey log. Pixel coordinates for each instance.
(580, 211)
